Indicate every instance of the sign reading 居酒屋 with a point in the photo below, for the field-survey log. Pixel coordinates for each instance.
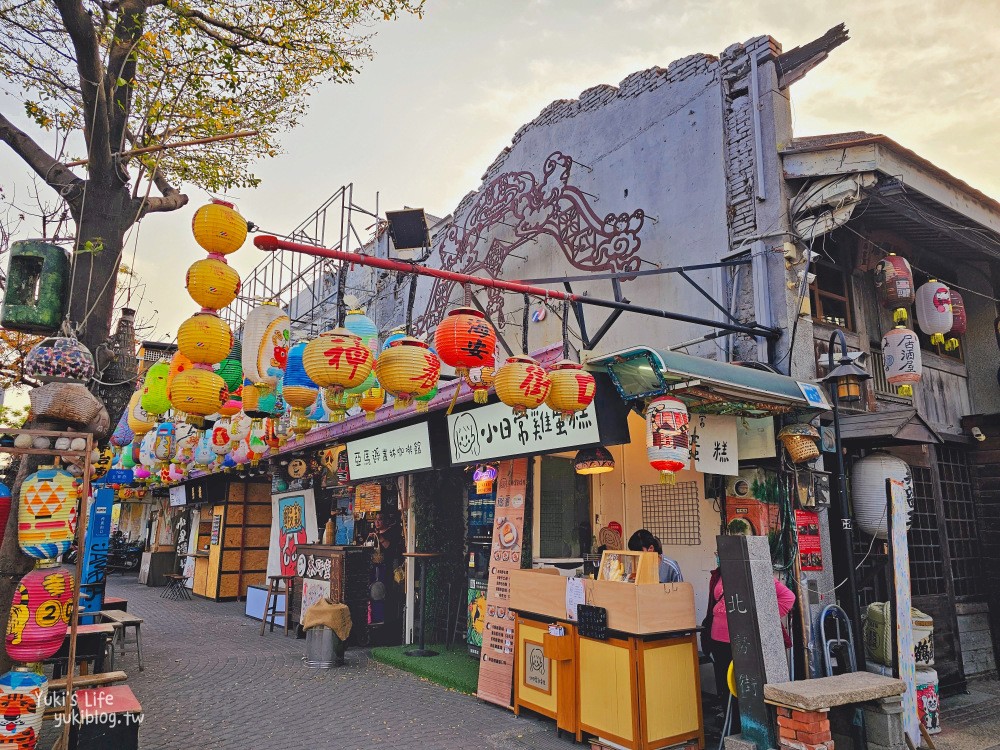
(494, 431)
(394, 452)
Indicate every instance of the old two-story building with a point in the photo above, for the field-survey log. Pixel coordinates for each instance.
(684, 189)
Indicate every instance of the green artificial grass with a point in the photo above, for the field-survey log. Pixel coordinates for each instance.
(453, 669)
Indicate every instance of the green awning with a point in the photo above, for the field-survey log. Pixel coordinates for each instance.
(707, 386)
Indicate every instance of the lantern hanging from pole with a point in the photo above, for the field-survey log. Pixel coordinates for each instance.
(222, 441)
(48, 499)
(165, 442)
(39, 613)
(371, 401)
(868, 491)
(178, 364)
(59, 359)
(204, 454)
(337, 361)
(204, 338)
(138, 420)
(960, 321)
(219, 228)
(362, 326)
(233, 404)
(407, 370)
(252, 406)
(573, 388)
(465, 339)
(298, 388)
(901, 357)
(23, 694)
(596, 460)
(212, 283)
(894, 285)
(667, 441)
(934, 313)
(266, 334)
(239, 428)
(522, 383)
(197, 393)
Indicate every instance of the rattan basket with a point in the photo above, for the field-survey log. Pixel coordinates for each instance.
(64, 402)
(801, 442)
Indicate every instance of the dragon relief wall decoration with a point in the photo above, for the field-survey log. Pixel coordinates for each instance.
(517, 208)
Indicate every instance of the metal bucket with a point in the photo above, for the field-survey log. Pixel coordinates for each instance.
(321, 645)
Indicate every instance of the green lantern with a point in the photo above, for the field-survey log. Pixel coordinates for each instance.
(37, 291)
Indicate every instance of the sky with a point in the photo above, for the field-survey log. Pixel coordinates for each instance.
(444, 94)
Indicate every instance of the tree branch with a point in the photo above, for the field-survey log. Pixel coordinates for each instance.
(52, 171)
(172, 197)
(122, 66)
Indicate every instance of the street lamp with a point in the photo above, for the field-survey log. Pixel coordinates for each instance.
(844, 383)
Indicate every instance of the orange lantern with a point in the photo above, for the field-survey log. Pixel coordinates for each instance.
(522, 383)
(198, 392)
(465, 339)
(407, 369)
(336, 361)
(212, 283)
(572, 389)
(204, 338)
(371, 401)
(178, 364)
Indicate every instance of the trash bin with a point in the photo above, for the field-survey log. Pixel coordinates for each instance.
(323, 648)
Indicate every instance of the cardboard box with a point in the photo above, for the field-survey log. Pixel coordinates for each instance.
(541, 592)
(643, 608)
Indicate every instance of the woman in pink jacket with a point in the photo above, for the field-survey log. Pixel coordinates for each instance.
(721, 650)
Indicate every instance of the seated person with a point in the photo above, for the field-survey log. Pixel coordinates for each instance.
(644, 541)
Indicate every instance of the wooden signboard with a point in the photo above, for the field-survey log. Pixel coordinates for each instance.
(496, 667)
(899, 553)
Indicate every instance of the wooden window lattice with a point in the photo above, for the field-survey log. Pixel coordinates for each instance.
(672, 512)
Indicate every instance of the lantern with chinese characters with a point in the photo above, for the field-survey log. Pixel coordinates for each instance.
(407, 369)
(265, 344)
(222, 441)
(212, 283)
(219, 228)
(138, 420)
(465, 340)
(868, 491)
(371, 401)
(239, 428)
(39, 613)
(298, 389)
(155, 400)
(960, 322)
(337, 361)
(197, 393)
(100, 467)
(573, 388)
(522, 383)
(204, 338)
(47, 502)
(901, 354)
(934, 313)
(480, 380)
(894, 285)
(667, 441)
(59, 359)
(23, 694)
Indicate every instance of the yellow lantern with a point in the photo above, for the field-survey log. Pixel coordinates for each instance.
(212, 283)
(522, 383)
(48, 501)
(573, 388)
(219, 228)
(204, 338)
(198, 393)
(407, 369)
(371, 401)
(336, 361)
(138, 420)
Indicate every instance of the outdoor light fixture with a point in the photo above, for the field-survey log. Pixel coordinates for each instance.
(594, 461)
(848, 377)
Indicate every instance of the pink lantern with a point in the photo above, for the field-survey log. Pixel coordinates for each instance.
(934, 312)
(901, 352)
(39, 613)
(667, 444)
(894, 284)
(960, 322)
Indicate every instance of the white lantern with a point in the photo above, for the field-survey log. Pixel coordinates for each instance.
(934, 312)
(146, 455)
(868, 491)
(222, 438)
(265, 344)
(204, 454)
(901, 354)
(667, 444)
(239, 427)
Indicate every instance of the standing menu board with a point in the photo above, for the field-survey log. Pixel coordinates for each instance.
(496, 667)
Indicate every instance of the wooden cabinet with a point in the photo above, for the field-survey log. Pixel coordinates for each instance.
(545, 672)
(340, 573)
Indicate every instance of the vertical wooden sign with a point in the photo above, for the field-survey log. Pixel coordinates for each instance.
(496, 659)
(899, 510)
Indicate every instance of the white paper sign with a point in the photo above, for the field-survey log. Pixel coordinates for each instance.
(574, 595)
(177, 496)
(494, 431)
(756, 438)
(395, 452)
(714, 444)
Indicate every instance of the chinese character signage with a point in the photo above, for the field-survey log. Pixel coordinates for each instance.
(494, 431)
(293, 523)
(394, 452)
(714, 444)
(807, 529)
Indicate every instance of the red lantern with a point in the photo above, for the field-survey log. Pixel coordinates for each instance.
(39, 613)
(960, 321)
(465, 339)
(667, 440)
(894, 284)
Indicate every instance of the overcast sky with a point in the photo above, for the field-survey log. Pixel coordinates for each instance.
(444, 95)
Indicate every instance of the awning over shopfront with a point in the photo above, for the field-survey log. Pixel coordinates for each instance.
(887, 428)
(707, 386)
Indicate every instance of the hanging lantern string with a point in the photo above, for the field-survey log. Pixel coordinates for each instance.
(409, 304)
(524, 325)
(565, 329)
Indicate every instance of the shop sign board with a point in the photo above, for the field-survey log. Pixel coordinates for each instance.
(293, 523)
(177, 496)
(494, 431)
(119, 476)
(401, 451)
(714, 444)
(95, 557)
(496, 660)
(899, 506)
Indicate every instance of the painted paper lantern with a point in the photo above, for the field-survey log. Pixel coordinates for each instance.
(407, 369)
(241, 453)
(23, 695)
(362, 326)
(960, 322)
(5, 503)
(298, 388)
(178, 364)
(47, 501)
(934, 313)
(204, 453)
(667, 441)
(231, 368)
(147, 457)
(371, 401)
(165, 442)
(142, 474)
(212, 283)
(198, 393)
(139, 421)
(266, 334)
(233, 404)
(185, 449)
(394, 335)
(129, 456)
(318, 411)
(39, 613)
(176, 472)
(573, 388)
(337, 361)
(868, 491)
(59, 359)
(480, 380)
(894, 285)
(123, 434)
(219, 228)
(102, 464)
(204, 338)
(522, 383)
(222, 441)
(901, 357)
(239, 427)
(252, 402)
(465, 339)
(155, 400)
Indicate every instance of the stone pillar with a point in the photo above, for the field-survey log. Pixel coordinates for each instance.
(804, 730)
(884, 724)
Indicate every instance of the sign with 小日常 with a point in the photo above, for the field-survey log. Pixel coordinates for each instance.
(394, 452)
(494, 431)
(714, 444)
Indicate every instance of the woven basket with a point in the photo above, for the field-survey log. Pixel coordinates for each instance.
(65, 402)
(801, 442)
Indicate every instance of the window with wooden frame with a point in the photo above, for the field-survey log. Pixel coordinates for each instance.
(830, 296)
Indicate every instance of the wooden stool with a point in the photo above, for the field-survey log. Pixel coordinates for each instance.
(126, 621)
(176, 587)
(271, 602)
